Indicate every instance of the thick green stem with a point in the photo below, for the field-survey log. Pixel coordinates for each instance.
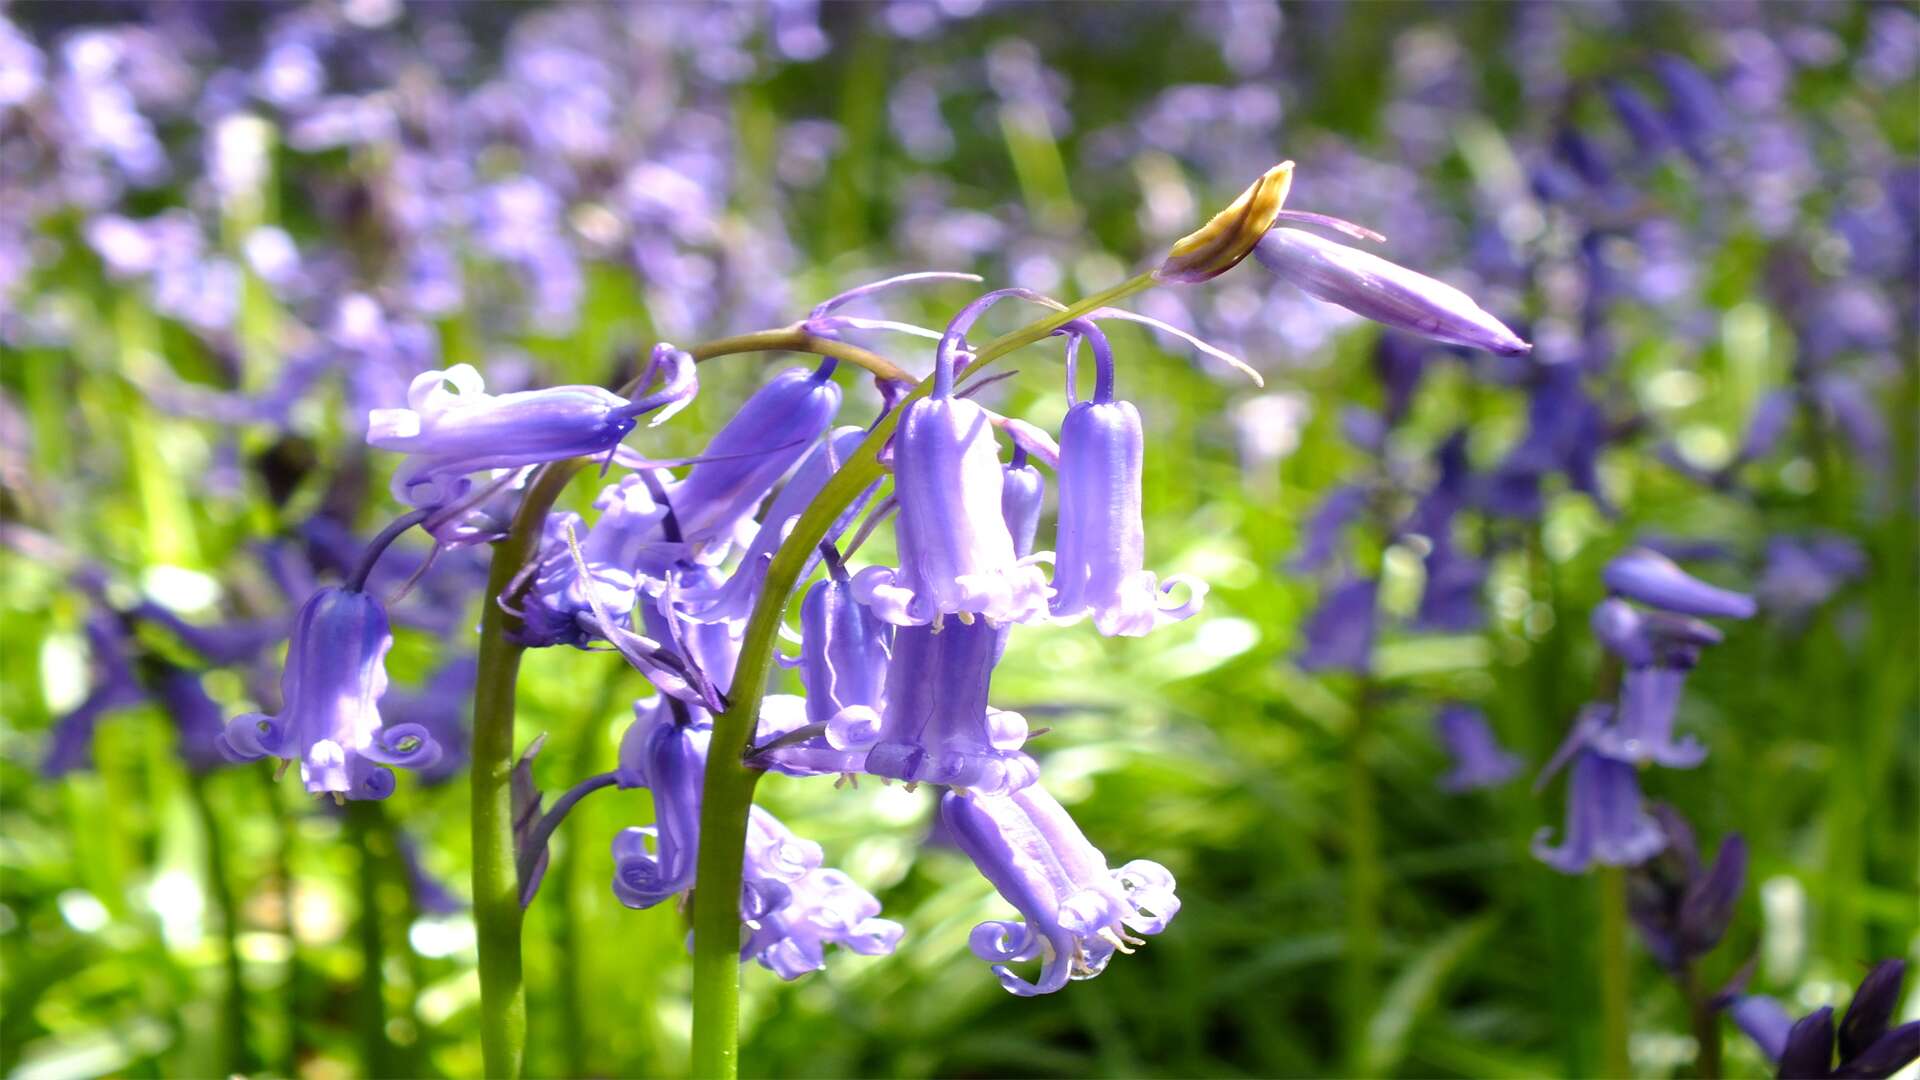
(233, 1003)
(1364, 878)
(366, 825)
(1615, 981)
(728, 794)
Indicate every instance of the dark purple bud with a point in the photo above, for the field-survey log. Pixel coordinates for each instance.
(1889, 1054)
(1872, 1008)
(1654, 580)
(1022, 491)
(1707, 905)
(1808, 1053)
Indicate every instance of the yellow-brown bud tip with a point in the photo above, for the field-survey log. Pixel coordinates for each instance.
(1220, 244)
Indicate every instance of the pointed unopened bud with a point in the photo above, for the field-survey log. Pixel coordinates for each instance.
(1220, 244)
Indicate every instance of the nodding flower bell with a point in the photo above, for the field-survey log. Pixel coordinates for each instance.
(329, 719)
(936, 726)
(1385, 292)
(664, 751)
(1867, 1044)
(448, 434)
(956, 553)
(1099, 566)
(1606, 823)
(794, 907)
(844, 651)
(774, 429)
(1078, 912)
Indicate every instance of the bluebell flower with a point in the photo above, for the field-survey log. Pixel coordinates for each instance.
(844, 654)
(667, 756)
(1100, 562)
(1680, 904)
(1077, 912)
(1655, 580)
(1339, 633)
(330, 717)
(794, 907)
(956, 552)
(1694, 110)
(772, 431)
(936, 726)
(735, 598)
(1387, 293)
(1479, 761)
(1805, 1049)
(1639, 116)
(448, 435)
(1606, 822)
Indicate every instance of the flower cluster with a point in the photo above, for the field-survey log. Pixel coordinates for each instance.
(1651, 628)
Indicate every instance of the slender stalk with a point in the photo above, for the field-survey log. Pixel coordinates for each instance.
(1364, 876)
(1706, 1025)
(728, 793)
(1615, 982)
(233, 1005)
(365, 825)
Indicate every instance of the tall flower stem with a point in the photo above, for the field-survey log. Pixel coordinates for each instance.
(233, 1002)
(1364, 877)
(1706, 1025)
(728, 794)
(496, 891)
(1615, 984)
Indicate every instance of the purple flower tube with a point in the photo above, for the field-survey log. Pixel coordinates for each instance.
(1606, 823)
(936, 726)
(1078, 912)
(1100, 564)
(330, 692)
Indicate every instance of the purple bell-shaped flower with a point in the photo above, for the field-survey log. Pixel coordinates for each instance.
(956, 553)
(1606, 822)
(936, 726)
(844, 653)
(1078, 912)
(1099, 566)
(449, 434)
(667, 755)
(330, 714)
(772, 432)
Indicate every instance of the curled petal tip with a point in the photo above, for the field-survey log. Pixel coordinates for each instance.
(1220, 244)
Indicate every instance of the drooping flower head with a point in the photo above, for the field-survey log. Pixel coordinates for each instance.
(956, 553)
(1680, 904)
(844, 653)
(794, 907)
(1804, 1049)
(1382, 291)
(1606, 822)
(773, 430)
(1099, 566)
(330, 692)
(664, 751)
(449, 434)
(1077, 912)
(936, 726)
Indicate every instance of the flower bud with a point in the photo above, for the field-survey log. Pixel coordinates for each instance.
(1220, 244)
